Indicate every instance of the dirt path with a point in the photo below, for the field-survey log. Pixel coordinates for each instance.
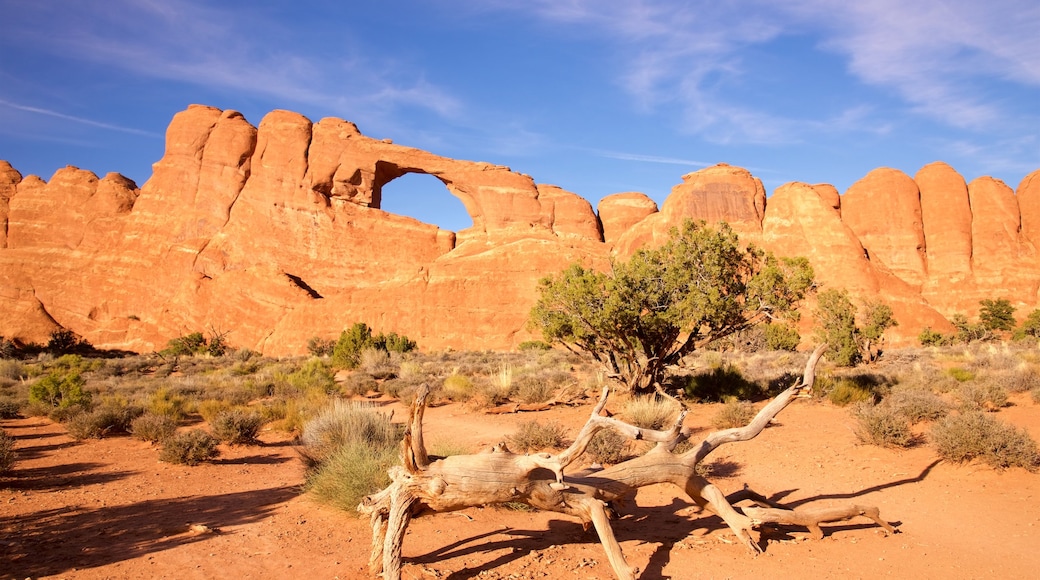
(110, 509)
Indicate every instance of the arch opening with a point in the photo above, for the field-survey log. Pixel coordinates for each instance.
(425, 198)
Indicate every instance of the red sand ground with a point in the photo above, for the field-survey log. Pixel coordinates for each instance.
(110, 509)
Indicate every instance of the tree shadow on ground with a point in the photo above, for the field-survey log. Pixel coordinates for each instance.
(51, 542)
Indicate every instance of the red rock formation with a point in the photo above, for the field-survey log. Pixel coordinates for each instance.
(275, 234)
(621, 211)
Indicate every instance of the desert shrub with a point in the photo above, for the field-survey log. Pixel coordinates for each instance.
(108, 419)
(1035, 394)
(10, 409)
(975, 397)
(208, 409)
(607, 446)
(1015, 381)
(534, 436)
(189, 448)
(447, 449)
(237, 426)
(153, 428)
(538, 387)
(12, 370)
(186, 345)
(961, 375)
(719, 383)
(358, 383)
(781, 336)
(976, 435)
(457, 387)
(535, 345)
(318, 346)
(64, 341)
(649, 412)
(377, 363)
(734, 413)
(917, 404)
(7, 452)
(393, 342)
(165, 402)
(60, 389)
(929, 337)
(346, 353)
(352, 472)
(315, 375)
(348, 447)
(882, 425)
(343, 422)
(846, 391)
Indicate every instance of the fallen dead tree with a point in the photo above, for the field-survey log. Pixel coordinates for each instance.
(422, 486)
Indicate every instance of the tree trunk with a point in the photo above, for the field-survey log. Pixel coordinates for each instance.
(498, 476)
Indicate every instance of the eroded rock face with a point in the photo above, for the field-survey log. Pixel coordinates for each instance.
(274, 234)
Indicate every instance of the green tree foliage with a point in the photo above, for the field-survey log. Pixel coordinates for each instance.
(997, 314)
(836, 325)
(63, 386)
(1030, 326)
(850, 342)
(352, 341)
(649, 312)
(781, 336)
(197, 343)
(966, 331)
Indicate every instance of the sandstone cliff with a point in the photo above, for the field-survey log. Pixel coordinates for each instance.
(274, 234)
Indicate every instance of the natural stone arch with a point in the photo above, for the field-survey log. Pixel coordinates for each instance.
(388, 171)
(412, 192)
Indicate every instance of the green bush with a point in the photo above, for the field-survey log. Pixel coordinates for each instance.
(882, 425)
(153, 428)
(237, 426)
(781, 336)
(734, 413)
(535, 345)
(353, 341)
(976, 435)
(534, 436)
(929, 337)
(961, 375)
(189, 448)
(847, 391)
(315, 375)
(7, 452)
(10, 410)
(457, 388)
(60, 389)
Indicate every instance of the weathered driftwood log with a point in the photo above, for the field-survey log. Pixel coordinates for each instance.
(497, 475)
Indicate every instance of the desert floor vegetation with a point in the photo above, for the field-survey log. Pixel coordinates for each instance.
(957, 403)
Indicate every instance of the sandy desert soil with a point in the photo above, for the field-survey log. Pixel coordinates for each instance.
(110, 509)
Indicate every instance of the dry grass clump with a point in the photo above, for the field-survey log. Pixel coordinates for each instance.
(458, 388)
(379, 364)
(916, 404)
(607, 446)
(734, 413)
(189, 448)
(846, 391)
(348, 447)
(882, 425)
(1018, 380)
(110, 418)
(1035, 394)
(10, 409)
(979, 397)
(153, 428)
(976, 435)
(237, 426)
(649, 412)
(534, 436)
(7, 452)
(539, 387)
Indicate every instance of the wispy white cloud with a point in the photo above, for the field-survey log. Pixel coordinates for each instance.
(196, 43)
(80, 120)
(651, 158)
(937, 56)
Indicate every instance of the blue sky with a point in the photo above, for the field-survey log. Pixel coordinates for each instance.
(596, 96)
